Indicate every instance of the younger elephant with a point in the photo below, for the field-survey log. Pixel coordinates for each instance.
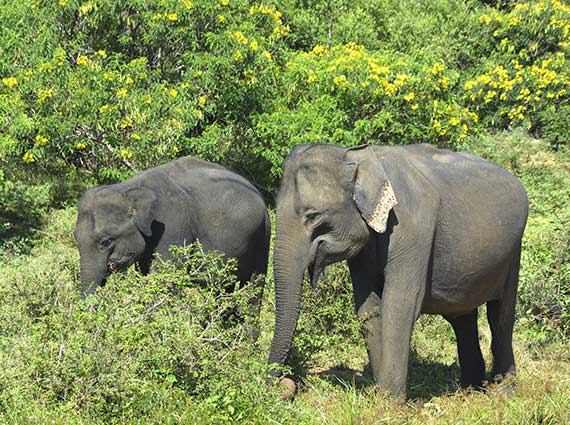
(423, 229)
(173, 204)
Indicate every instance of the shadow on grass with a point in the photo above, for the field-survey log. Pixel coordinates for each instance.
(426, 378)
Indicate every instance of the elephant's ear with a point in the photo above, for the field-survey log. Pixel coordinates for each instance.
(372, 191)
(144, 203)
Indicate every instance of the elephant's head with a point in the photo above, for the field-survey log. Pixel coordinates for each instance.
(111, 226)
(330, 202)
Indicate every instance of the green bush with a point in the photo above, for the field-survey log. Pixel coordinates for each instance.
(328, 326)
(141, 346)
(22, 211)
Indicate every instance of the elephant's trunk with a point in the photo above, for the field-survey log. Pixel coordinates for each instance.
(93, 274)
(290, 262)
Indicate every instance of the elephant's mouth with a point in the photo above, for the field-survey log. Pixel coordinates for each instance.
(314, 278)
(115, 265)
(322, 255)
(317, 264)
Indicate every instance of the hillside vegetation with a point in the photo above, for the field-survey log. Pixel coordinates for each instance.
(93, 91)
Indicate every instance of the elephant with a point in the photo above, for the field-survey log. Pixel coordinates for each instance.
(423, 229)
(176, 203)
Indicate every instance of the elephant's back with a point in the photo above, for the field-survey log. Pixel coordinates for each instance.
(231, 209)
(228, 212)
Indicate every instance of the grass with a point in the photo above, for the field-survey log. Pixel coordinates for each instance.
(335, 385)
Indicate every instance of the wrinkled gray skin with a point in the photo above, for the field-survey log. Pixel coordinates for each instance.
(450, 244)
(173, 204)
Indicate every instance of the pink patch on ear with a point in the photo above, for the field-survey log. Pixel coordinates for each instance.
(378, 220)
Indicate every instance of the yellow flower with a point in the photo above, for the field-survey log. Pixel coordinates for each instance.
(147, 100)
(390, 88)
(414, 106)
(311, 78)
(126, 154)
(490, 95)
(9, 82)
(127, 122)
(267, 55)
(454, 121)
(173, 92)
(254, 46)
(41, 140)
(172, 16)
(409, 97)
(505, 41)
(221, 18)
(277, 16)
(108, 76)
(44, 94)
(184, 85)
(103, 108)
(63, 3)
(240, 38)
(437, 68)
(198, 73)
(176, 149)
(82, 60)
(485, 19)
(102, 53)
(188, 5)
(122, 92)
(80, 146)
(224, 2)
(29, 157)
(340, 80)
(135, 136)
(129, 80)
(319, 49)
(202, 100)
(238, 56)
(198, 114)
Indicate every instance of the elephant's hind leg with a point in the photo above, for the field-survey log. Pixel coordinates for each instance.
(470, 357)
(501, 316)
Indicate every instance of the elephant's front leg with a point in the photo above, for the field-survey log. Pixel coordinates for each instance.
(402, 298)
(367, 285)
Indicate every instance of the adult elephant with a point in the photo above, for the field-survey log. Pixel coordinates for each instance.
(423, 230)
(174, 204)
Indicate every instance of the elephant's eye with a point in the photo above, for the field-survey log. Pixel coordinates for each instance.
(311, 216)
(104, 243)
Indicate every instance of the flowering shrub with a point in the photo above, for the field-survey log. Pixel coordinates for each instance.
(127, 86)
(528, 73)
(111, 88)
(349, 95)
